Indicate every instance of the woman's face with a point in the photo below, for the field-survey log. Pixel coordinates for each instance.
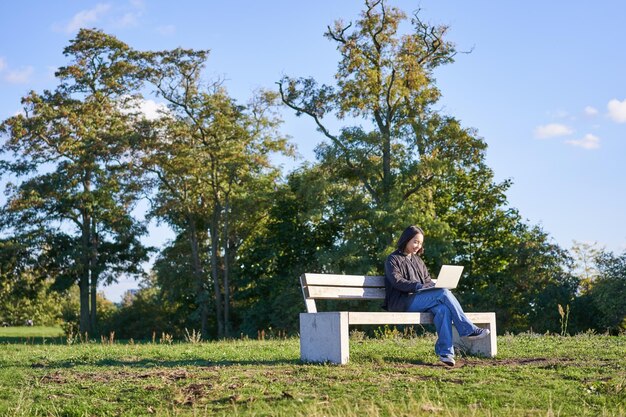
(415, 244)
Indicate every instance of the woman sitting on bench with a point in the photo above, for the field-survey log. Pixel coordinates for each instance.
(405, 275)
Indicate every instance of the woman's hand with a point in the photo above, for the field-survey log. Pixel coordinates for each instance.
(429, 284)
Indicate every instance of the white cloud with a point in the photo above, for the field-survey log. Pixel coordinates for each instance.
(617, 110)
(591, 111)
(138, 4)
(132, 17)
(552, 130)
(151, 109)
(588, 142)
(19, 76)
(166, 30)
(128, 20)
(86, 18)
(3, 63)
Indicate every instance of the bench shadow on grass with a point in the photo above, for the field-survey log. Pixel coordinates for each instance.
(207, 363)
(203, 363)
(411, 363)
(154, 363)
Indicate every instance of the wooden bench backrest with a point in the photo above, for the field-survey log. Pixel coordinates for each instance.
(346, 287)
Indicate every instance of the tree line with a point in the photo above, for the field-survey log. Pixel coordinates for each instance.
(84, 156)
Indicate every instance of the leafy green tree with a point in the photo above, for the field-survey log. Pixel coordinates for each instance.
(529, 284)
(295, 237)
(397, 160)
(24, 294)
(72, 146)
(145, 316)
(585, 255)
(391, 165)
(510, 266)
(210, 158)
(609, 292)
(173, 281)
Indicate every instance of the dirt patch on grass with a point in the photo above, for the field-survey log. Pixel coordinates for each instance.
(166, 375)
(54, 378)
(192, 393)
(545, 363)
(188, 387)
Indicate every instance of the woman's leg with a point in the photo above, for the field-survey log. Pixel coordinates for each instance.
(430, 301)
(446, 310)
(443, 324)
(463, 325)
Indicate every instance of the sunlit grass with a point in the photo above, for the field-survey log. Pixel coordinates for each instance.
(31, 331)
(533, 375)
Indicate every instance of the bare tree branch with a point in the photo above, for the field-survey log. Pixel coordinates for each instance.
(418, 187)
(333, 138)
(339, 37)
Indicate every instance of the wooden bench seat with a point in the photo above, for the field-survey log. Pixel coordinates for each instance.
(324, 336)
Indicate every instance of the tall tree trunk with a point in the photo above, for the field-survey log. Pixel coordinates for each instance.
(386, 236)
(214, 232)
(93, 269)
(92, 307)
(201, 293)
(83, 283)
(226, 284)
(387, 174)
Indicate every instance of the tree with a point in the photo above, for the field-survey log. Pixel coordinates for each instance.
(210, 157)
(397, 160)
(392, 165)
(510, 266)
(608, 293)
(24, 293)
(524, 280)
(585, 255)
(174, 280)
(72, 145)
(294, 238)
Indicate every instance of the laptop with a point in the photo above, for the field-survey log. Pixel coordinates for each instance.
(448, 277)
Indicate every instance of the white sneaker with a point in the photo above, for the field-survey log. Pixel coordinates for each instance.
(479, 333)
(447, 359)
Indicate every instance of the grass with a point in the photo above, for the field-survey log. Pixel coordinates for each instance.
(21, 334)
(533, 375)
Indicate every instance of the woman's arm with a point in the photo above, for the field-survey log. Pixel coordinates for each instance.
(395, 275)
(423, 271)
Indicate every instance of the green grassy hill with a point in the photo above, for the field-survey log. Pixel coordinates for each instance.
(533, 375)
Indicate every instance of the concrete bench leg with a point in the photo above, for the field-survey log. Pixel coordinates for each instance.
(324, 337)
(487, 347)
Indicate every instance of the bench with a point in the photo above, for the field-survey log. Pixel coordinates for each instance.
(324, 336)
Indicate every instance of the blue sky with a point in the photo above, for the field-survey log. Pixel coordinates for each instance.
(543, 85)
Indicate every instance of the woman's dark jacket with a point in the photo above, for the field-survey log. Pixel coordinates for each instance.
(404, 275)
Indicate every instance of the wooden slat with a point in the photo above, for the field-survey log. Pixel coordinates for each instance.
(366, 317)
(344, 280)
(308, 302)
(345, 292)
(480, 318)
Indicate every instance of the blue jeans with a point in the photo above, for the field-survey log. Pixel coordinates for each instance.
(447, 310)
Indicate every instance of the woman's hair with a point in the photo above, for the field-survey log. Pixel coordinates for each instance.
(408, 234)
